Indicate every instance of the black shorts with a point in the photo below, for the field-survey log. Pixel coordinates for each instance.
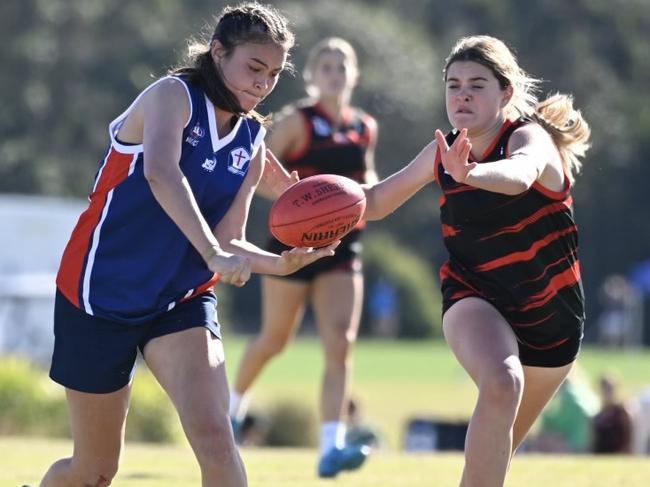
(347, 257)
(558, 345)
(98, 356)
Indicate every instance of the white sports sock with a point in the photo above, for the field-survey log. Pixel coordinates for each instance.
(332, 434)
(238, 405)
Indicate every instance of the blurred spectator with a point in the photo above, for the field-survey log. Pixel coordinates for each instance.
(612, 426)
(565, 424)
(618, 323)
(383, 309)
(641, 423)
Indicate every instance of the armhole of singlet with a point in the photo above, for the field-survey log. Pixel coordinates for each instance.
(116, 124)
(540, 188)
(257, 143)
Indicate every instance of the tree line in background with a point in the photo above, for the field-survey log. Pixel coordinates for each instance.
(71, 66)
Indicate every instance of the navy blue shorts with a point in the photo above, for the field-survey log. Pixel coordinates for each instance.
(347, 257)
(98, 356)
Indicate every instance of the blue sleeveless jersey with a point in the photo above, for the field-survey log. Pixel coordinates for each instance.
(126, 260)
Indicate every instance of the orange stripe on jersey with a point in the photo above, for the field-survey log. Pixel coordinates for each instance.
(447, 273)
(547, 268)
(542, 212)
(546, 347)
(534, 323)
(568, 278)
(204, 287)
(525, 255)
(449, 231)
(116, 169)
(461, 189)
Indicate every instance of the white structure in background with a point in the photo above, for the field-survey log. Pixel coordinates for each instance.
(33, 233)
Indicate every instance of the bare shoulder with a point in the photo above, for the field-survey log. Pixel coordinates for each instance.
(289, 118)
(168, 91)
(529, 133)
(287, 133)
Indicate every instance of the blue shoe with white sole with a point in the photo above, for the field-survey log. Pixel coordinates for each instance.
(350, 457)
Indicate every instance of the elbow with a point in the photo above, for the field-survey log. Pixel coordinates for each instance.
(373, 210)
(159, 177)
(152, 175)
(518, 187)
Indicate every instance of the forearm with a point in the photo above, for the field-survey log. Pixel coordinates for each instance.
(173, 193)
(389, 194)
(506, 176)
(262, 262)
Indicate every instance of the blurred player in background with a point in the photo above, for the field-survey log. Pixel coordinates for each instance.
(323, 134)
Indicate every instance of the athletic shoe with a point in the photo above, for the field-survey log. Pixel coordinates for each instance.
(350, 457)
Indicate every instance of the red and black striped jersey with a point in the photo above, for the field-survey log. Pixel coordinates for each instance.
(519, 252)
(333, 148)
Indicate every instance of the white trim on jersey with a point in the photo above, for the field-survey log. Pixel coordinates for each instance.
(258, 141)
(115, 125)
(172, 305)
(218, 143)
(95, 240)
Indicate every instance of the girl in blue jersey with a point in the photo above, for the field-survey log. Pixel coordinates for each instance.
(513, 306)
(324, 134)
(166, 220)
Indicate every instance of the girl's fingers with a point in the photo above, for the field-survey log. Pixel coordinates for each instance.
(442, 142)
(466, 150)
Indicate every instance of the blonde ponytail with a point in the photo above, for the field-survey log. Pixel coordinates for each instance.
(567, 127)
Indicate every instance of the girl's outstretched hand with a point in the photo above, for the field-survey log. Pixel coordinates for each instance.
(454, 158)
(292, 260)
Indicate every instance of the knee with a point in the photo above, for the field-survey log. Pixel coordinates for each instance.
(503, 386)
(338, 349)
(272, 345)
(212, 441)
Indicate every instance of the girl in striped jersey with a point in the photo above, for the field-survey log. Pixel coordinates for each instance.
(513, 305)
(324, 134)
(167, 218)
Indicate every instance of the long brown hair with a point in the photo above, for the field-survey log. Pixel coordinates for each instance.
(555, 114)
(246, 23)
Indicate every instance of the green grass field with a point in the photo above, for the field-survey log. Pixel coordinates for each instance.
(23, 460)
(393, 381)
(396, 380)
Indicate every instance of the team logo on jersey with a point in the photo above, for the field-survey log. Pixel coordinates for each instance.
(196, 133)
(237, 161)
(210, 164)
(321, 126)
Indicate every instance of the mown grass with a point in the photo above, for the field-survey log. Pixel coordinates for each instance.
(24, 460)
(394, 381)
(397, 380)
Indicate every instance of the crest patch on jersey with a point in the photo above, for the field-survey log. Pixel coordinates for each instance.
(238, 160)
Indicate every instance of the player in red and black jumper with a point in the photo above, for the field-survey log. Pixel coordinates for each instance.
(513, 305)
(323, 135)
